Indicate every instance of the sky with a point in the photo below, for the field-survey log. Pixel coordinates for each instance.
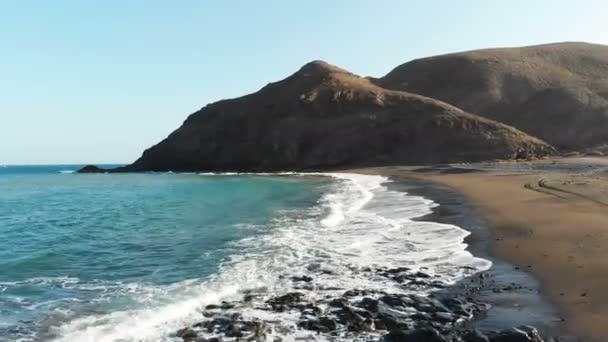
(100, 81)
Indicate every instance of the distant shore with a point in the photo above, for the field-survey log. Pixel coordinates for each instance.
(550, 218)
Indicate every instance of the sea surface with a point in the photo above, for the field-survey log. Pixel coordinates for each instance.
(134, 257)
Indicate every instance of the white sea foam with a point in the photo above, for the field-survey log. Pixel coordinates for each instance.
(66, 171)
(358, 223)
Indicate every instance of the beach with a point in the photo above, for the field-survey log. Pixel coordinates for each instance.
(493, 301)
(548, 218)
(445, 250)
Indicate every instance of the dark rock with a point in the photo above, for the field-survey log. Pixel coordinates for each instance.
(209, 314)
(347, 315)
(356, 293)
(322, 324)
(311, 309)
(227, 306)
(209, 339)
(187, 334)
(418, 335)
(391, 323)
(397, 270)
(369, 304)
(532, 332)
(303, 278)
(260, 330)
(220, 322)
(92, 169)
(234, 332)
(520, 334)
(313, 267)
(418, 282)
(304, 286)
(318, 269)
(444, 317)
(359, 326)
(438, 284)
(474, 336)
(379, 324)
(421, 275)
(397, 300)
(427, 304)
(401, 278)
(286, 301)
(421, 316)
(338, 303)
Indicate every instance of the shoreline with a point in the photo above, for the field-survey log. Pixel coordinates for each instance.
(549, 219)
(514, 294)
(478, 305)
(511, 305)
(490, 303)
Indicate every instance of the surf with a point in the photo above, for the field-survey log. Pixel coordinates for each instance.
(358, 223)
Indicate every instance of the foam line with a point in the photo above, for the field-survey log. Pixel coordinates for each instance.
(358, 223)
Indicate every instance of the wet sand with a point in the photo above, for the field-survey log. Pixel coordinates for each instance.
(549, 218)
(511, 306)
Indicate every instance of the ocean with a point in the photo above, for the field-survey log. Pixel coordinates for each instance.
(135, 257)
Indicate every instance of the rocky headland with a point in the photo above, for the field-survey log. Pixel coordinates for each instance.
(505, 104)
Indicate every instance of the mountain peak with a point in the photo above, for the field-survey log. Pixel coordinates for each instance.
(319, 67)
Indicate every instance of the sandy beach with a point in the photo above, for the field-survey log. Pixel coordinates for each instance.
(549, 218)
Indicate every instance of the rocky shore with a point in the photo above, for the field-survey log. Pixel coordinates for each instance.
(360, 315)
(500, 305)
(549, 218)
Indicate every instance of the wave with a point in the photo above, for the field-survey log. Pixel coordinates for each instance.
(358, 223)
(41, 281)
(66, 171)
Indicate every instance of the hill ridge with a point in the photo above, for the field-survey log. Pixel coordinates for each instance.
(324, 117)
(501, 103)
(557, 92)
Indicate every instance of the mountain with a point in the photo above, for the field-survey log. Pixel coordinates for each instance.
(323, 117)
(556, 92)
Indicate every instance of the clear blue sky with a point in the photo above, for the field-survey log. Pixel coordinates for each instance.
(99, 81)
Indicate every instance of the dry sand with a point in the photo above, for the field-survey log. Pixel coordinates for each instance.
(555, 224)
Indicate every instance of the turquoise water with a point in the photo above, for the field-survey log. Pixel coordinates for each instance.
(135, 257)
(75, 246)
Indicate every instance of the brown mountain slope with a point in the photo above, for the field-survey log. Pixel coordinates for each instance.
(323, 117)
(557, 92)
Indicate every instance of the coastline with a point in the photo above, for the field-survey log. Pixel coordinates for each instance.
(513, 292)
(548, 218)
(514, 295)
(488, 301)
